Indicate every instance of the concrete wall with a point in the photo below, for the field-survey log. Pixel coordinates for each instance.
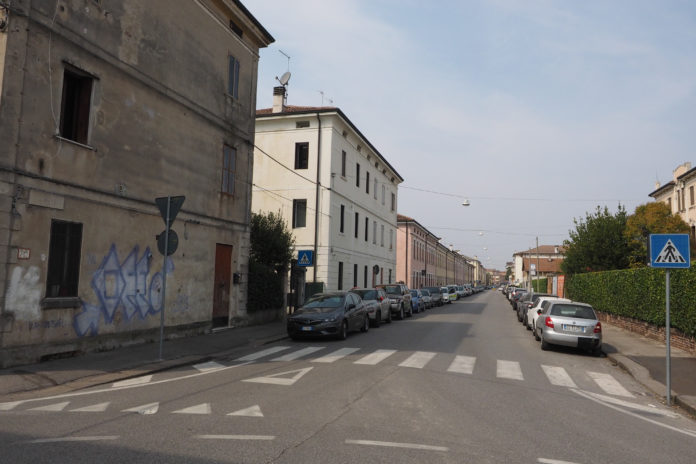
(159, 118)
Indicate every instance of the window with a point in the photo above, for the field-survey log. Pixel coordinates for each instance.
(382, 235)
(299, 213)
(356, 224)
(390, 272)
(365, 278)
(669, 203)
(340, 275)
(391, 239)
(343, 210)
(229, 161)
(367, 227)
(355, 275)
(384, 192)
(301, 124)
(301, 155)
(374, 190)
(393, 201)
(367, 182)
(75, 105)
(64, 259)
(357, 174)
(374, 232)
(233, 77)
(343, 163)
(691, 195)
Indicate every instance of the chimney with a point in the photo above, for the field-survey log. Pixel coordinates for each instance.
(279, 99)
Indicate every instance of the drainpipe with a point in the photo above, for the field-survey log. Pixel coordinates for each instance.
(316, 203)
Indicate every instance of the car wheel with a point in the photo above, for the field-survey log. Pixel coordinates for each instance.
(401, 312)
(525, 321)
(366, 324)
(343, 334)
(536, 335)
(596, 352)
(544, 345)
(389, 316)
(410, 312)
(378, 318)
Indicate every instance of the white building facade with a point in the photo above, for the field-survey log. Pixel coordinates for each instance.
(337, 193)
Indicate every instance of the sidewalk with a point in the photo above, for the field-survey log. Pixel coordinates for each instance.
(643, 358)
(63, 375)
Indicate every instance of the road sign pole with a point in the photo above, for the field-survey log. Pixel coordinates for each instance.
(164, 276)
(667, 338)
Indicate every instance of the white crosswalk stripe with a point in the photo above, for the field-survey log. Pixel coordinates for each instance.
(336, 355)
(299, 353)
(261, 354)
(558, 376)
(418, 360)
(376, 357)
(462, 365)
(609, 384)
(509, 370)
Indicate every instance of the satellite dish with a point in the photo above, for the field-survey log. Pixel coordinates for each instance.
(284, 78)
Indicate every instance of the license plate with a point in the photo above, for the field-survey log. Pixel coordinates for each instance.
(573, 328)
(307, 329)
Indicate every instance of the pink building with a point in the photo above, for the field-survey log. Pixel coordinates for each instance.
(416, 254)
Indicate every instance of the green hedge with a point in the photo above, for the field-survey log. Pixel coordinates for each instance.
(265, 288)
(540, 285)
(640, 294)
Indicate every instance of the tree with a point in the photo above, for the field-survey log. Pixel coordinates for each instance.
(508, 271)
(271, 251)
(650, 218)
(598, 243)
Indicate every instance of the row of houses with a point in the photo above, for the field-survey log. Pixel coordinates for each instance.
(106, 106)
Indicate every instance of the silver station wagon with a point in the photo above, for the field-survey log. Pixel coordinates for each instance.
(569, 324)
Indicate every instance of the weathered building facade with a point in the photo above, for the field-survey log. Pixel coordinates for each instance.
(105, 106)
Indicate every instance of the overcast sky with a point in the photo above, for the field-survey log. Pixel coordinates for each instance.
(536, 111)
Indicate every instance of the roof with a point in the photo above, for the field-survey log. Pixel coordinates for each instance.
(269, 38)
(300, 110)
(669, 184)
(544, 250)
(542, 264)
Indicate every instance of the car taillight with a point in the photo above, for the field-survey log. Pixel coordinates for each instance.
(598, 328)
(381, 298)
(548, 322)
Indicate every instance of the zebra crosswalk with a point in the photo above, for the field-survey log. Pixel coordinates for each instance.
(459, 364)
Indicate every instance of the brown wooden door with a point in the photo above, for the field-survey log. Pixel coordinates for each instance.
(221, 293)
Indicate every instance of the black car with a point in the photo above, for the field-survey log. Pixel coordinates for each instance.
(332, 314)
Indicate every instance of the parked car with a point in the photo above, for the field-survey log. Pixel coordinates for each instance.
(461, 292)
(399, 299)
(469, 289)
(454, 296)
(426, 298)
(377, 304)
(569, 324)
(446, 297)
(516, 294)
(436, 295)
(526, 301)
(534, 312)
(417, 301)
(332, 314)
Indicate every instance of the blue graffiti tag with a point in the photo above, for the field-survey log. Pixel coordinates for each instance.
(122, 285)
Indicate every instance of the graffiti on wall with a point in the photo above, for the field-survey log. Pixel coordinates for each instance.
(24, 293)
(124, 285)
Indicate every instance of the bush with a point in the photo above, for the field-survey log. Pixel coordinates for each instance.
(640, 294)
(265, 288)
(540, 285)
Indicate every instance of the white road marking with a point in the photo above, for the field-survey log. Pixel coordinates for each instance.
(208, 366)
(203, 408)
(397, 445)
(690, 433)
(278, 379)
(261, 354)
(131, 382)
(558, 376)
(236, 437)
(299, 353)
(609, 384)
(145, 409)
(10, 406)
(462, 365)
(253, 411)
(52, 407)
(509, 370)
(336, 355)
(56, 440)
(418, 360)
(553, 461)
(650, 408)
(375, 358)
(101, 407)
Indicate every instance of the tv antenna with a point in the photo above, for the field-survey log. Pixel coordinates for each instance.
(286, 56)
(327, 98)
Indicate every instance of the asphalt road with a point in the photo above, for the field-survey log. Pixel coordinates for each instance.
(465, 383)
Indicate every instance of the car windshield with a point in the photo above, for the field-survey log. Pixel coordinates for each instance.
(392, 289)
(324, 301)
(425, 292)
(414, 292)
(567, 310)
(366, 294)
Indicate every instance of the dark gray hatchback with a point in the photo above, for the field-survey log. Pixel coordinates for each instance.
(329, 314)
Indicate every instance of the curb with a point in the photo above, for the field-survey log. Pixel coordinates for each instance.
(642, 375)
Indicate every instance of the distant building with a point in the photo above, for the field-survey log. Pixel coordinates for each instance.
(105, 106)
(679, 194)
(337, 192)
(543, 261)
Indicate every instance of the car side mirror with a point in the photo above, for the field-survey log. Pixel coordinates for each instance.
(351, 306)
(539, 312)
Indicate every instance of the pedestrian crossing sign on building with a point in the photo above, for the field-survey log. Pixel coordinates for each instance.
(305, 258)
(669, 251)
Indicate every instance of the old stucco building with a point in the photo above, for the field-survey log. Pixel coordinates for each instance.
(105, 106)
(680, 194)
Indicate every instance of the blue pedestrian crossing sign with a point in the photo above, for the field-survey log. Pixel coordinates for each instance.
(669, 250)
(305, 258)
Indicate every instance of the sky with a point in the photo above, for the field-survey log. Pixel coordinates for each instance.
(536, 111)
